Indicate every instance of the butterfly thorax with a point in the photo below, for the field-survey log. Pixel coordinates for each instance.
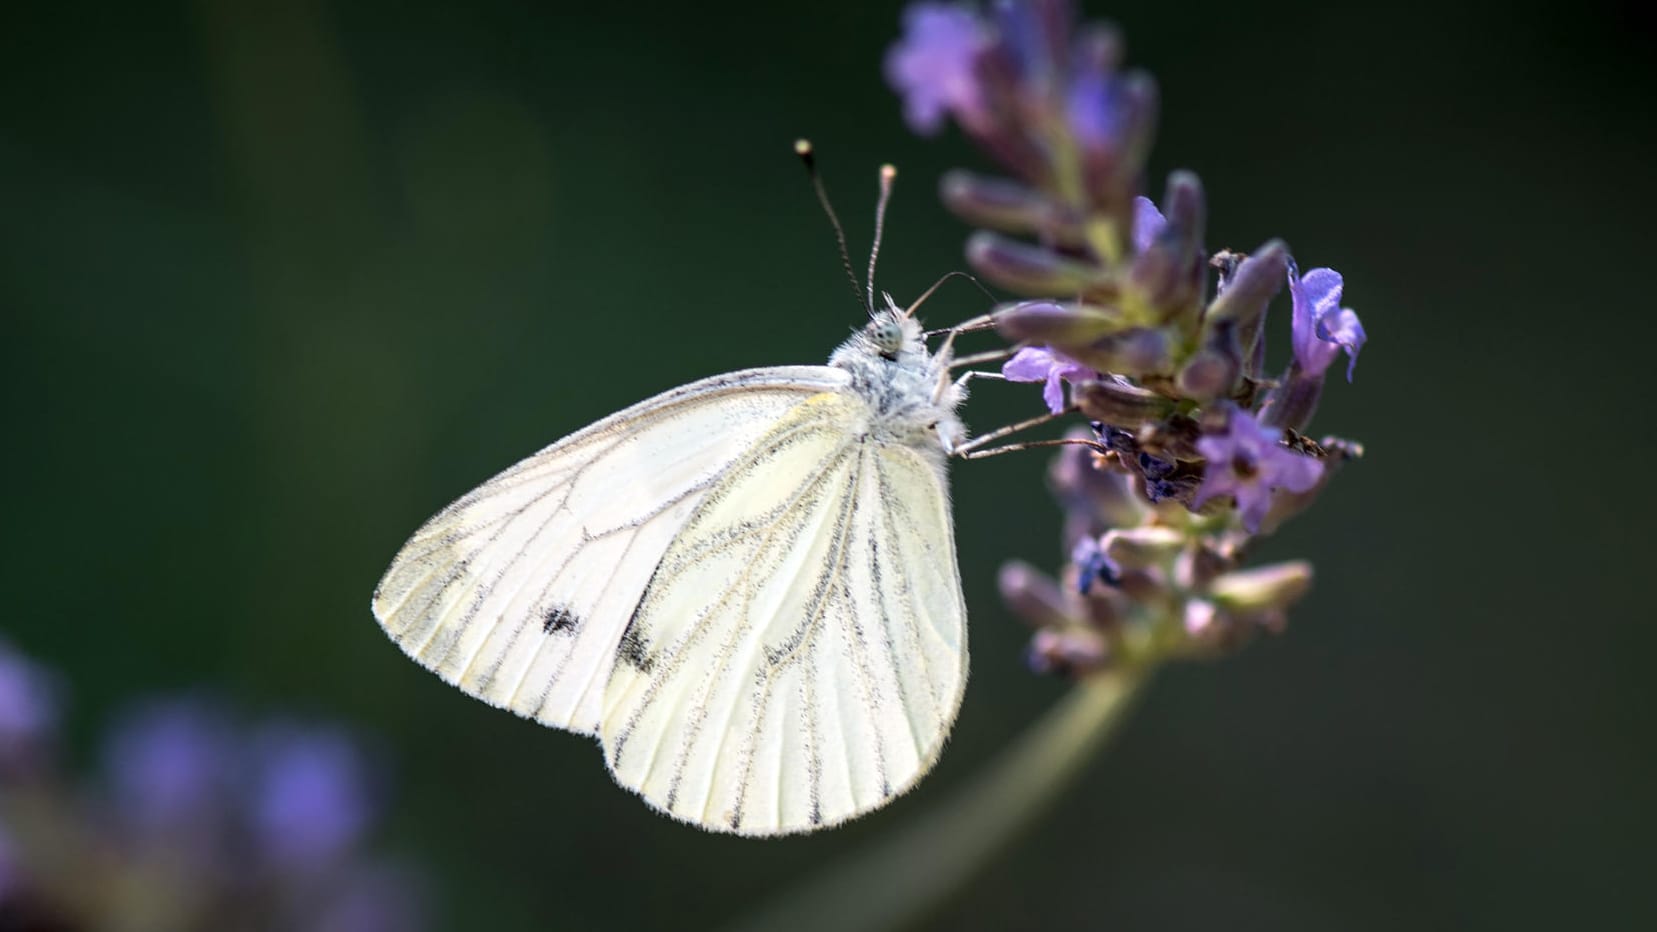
(911, 400)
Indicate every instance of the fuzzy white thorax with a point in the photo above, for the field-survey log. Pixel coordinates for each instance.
(910, 396)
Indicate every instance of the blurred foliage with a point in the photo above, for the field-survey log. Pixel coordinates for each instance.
(280, 280)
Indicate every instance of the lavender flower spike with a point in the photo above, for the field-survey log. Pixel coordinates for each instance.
(1040, 364)
(934, 66)
(1248, 461)
(1320, 326)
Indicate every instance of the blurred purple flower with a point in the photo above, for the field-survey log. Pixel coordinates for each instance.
(1320, 326)
(933, 67)
(310, 800)
(1094, 107)
(10, 874)
(202, 822)
(1249, 461)
(171, 764)
(28, 707)
(1040, 364)
(1148, 223)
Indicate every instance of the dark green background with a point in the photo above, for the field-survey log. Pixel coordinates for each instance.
(280, 279)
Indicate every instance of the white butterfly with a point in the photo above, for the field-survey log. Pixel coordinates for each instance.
(746, 587)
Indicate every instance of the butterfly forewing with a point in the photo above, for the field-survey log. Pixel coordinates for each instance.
(782, 670)
(519, 592)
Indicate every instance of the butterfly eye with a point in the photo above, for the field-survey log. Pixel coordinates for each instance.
(886, 333)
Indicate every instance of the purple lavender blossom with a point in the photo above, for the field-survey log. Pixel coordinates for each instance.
(28, 707)
(310, 800)
(1148, 223)
(1248, 461)
(934, 66)
(1040, 364)
(1320, 326)
(172, 764)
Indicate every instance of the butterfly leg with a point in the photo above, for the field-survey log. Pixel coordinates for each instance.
(975, 454)
(977, 443)
(988, 356)
(961, 383)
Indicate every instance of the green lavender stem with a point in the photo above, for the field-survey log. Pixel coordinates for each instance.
(905, 876)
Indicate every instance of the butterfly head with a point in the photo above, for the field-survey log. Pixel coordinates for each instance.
(886, 333)
(891, 332)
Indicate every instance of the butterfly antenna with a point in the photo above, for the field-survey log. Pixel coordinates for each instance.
(911, 309)
(887, 174)
(802, 148)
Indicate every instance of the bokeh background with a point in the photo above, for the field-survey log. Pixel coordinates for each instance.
(281, 279)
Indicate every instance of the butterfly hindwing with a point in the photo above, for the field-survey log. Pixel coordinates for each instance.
(789, 664)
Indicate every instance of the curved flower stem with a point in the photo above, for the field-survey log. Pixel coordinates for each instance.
(904, 877)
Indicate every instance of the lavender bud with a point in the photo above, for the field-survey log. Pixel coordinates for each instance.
(1061, 326)
(1028, 269)
(1174, 438)
(1171, 273)
(1116, 401)
(1094, 107)
(1293, 403)
(1141, 547)
(1105, 607)
(1262, 590)
(1136, 351)
(1139, 101)
(1212, 372)
(1031, 595)
(999, 204)
(1098, 49)
(1248, 291)
(1068, 651)
(1000, 128)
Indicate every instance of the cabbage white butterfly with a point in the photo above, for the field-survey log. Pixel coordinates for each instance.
(745, 587)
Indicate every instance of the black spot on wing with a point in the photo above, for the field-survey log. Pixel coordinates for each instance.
(633, 650)
(560, 620)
